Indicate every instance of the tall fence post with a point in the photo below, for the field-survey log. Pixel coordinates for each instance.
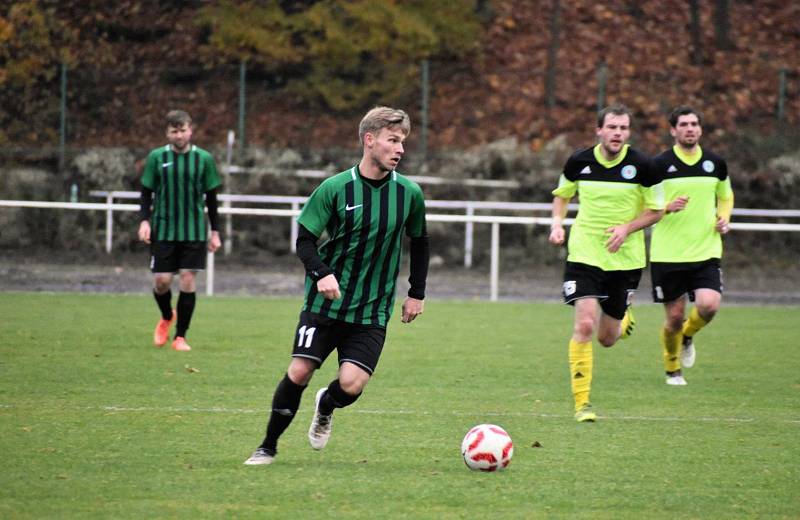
(62, 130)
(781, 99)
(423, 139)
(602, 78)
(228, 242)
(242, 107)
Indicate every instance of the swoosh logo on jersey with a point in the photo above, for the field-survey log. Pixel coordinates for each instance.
(166, 164)
(672, 169)
(351, 208)
(586, 170)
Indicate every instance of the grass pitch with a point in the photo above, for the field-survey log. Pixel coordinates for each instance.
(97, 423)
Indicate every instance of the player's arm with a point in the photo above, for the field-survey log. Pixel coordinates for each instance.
(620, 233)
(145, 201)
(316, 269)
(724, 210)
(419, 258)
(212, 204)
(558, 213)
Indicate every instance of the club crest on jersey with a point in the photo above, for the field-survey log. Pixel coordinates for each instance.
(629, 172)
(708, 166)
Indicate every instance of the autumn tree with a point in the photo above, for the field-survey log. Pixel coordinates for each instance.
(343, 54)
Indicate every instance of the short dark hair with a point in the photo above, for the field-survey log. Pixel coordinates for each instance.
(683, 110)
(618, 109)
(176, 118)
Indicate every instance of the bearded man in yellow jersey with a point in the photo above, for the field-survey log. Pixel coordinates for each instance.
(620, 195)
(686, 246)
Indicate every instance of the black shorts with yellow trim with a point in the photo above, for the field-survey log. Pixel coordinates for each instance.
(671, 280)
(613, 289)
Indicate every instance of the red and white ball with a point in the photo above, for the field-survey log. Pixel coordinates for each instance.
(487, 447)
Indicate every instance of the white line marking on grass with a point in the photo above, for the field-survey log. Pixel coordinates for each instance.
(219, 409)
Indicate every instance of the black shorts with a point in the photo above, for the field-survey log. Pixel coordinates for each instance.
(614, 289)
(671, 280)
(170, 257)
(317, 336)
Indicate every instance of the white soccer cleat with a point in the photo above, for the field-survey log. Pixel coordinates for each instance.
(676, 380)
(320, 430)
(259, 457)
(687, 353)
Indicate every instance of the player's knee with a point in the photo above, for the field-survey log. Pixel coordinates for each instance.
(584, 328)
(300, 370)
(708, 310)
(674, 322)
(607, 340)
(162, 283)
(353, 386)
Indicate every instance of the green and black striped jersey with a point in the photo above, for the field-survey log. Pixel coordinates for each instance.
(690, 235)
(364, 224)
(179, 182)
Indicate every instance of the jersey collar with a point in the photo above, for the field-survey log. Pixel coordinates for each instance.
(598, 155)
(689, 159)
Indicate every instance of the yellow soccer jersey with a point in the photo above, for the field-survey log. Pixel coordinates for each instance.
(689, 235)
(611, 193)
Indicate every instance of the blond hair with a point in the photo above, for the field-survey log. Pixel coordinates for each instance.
(383, 117)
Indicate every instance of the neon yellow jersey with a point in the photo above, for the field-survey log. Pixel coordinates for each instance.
(611, 193)
(689, 235)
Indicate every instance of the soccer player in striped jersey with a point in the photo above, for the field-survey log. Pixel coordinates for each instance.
(686, 246)
(350, 280)
(620, 195)
(179, 179)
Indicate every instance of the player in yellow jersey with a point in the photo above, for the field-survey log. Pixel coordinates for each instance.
(686, 245)
(620, 195)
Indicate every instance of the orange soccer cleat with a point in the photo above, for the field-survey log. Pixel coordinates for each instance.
(180, 344)
(161, 334)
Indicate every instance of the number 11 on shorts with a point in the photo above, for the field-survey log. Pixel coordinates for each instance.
(307, 334)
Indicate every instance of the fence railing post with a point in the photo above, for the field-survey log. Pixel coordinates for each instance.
(109, 222)
(468, 232)
(295, 229)
(495, 264)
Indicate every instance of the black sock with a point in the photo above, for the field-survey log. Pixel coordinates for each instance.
(164, 302)
(185, 309)
(335, 397)
(285, 402)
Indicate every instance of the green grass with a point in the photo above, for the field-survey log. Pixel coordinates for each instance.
(95, 422)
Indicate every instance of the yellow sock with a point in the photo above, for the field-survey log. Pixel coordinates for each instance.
(671, 343)
(693, 323)
(580, 371)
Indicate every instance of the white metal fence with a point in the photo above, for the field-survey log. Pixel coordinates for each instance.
(469, 219)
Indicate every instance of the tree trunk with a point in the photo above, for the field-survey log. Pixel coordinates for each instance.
(696, 54)
(722, 25)
(552, 57)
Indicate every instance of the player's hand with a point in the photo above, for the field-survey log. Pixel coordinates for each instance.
(214, 242)
(412, 308)
(618, 235)
(722, 226)
(144, 231)
(557, 235)
(678, 204)
(328, 287)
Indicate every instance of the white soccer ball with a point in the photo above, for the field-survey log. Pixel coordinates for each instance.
(487, 447)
